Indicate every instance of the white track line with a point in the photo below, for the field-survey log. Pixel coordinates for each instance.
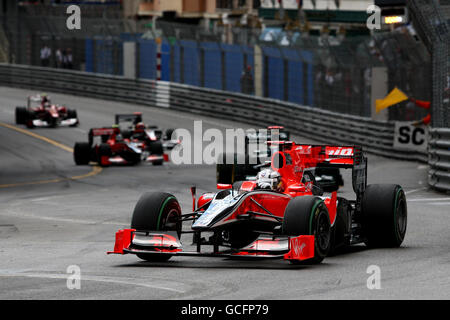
(415, 190)
(428, 199)
(137, 282)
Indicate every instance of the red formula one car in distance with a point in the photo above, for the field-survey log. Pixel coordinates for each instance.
(114, 149)
(283, 214)
(40, 112)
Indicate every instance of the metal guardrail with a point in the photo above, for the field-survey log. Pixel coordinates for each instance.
(439, 159)
(331, 127)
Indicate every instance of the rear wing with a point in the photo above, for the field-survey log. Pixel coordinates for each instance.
(324, 156)
(132, 117)
(347, 157)
(105, 133)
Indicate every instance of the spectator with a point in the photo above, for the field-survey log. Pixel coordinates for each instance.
(247, 83)
(59, 58)
(46, 53)
(67, 59)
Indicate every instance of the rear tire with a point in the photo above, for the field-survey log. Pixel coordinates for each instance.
(384, 215)
(82, 153)
(156, 148)
(228, 173)
(21, 115)
(104, 150)
(156, 211)
(72, 114)
(169, 133)
(308, 215)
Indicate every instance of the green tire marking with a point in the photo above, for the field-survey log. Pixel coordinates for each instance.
(312, 214)
(395, 212)
(161, 211)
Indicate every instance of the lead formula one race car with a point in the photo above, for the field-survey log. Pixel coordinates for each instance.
(283, 214)
(40, 112)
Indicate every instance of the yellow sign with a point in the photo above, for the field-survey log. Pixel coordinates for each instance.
(394, 97)
(393, 19)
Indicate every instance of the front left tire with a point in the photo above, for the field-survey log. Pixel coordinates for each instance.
(156, 211)
(308, 215)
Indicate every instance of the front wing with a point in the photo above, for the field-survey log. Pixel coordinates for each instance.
(63, 123)
(167, 243)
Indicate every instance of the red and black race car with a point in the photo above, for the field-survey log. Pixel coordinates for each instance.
(113, 148)
(40, 112)
(132, 127)
(283, 214)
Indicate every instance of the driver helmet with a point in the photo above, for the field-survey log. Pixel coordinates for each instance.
(44, 98)
(268, 179)
(140, 126)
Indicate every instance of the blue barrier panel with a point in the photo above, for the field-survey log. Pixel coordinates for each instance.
(176, 63)
(165, 61)
(89, 55)
(108, 57)
(308, 57)
(191, 63)
(234, 66)
(294, 76)
(147, 59)
(275, 73)
(249, 53)
(212, 67)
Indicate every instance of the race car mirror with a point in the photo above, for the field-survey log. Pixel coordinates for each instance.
(278, 160)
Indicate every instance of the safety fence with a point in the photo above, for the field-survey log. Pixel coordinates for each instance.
(330, 72)
(322, 125)
(439, 159)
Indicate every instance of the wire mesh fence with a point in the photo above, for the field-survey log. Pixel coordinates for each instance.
(328, 72)
(432, 21)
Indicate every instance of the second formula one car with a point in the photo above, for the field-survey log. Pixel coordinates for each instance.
(114, 149)
(40, 112)
(282, 214)
(132, 127)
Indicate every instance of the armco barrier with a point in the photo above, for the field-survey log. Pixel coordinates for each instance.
(439, 159)
(318, 124)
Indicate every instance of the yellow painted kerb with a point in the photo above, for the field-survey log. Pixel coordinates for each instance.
(95, 170)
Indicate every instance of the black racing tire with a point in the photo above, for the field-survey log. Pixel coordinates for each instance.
(168, 133)
(156, 211)
(104, 150)
(228, 173)
(308, 215)
(384, 215)
(156, 148)
(72, 114)
(29, 119)
(21, 115)
(82, 153)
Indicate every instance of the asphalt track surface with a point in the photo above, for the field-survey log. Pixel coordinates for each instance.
(54, 214)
